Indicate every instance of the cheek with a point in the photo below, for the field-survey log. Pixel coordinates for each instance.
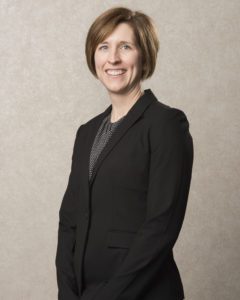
(134, 62)
(97, 60)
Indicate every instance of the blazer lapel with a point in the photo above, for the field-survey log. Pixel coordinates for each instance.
(133, 114)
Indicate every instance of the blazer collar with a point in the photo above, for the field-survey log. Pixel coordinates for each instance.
(133, 114)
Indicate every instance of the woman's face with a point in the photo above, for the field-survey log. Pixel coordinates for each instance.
(118, 61)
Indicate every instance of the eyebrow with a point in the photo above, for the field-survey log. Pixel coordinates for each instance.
(121, 42)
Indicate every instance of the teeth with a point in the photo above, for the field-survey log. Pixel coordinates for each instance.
(115, 72)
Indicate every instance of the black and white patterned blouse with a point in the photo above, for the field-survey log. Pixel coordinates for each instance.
(103, 135)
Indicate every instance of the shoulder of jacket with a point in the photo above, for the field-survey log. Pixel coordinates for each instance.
(166, 123)
(160, 113)
(85, 126)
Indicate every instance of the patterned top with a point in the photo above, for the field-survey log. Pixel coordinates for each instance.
(103, 135)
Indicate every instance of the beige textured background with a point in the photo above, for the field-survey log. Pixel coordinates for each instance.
(47, 92)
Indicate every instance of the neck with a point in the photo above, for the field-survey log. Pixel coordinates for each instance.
(121, 103)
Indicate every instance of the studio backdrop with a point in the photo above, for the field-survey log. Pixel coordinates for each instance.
(47, 92)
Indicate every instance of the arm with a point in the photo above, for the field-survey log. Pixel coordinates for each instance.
(169, 182)
(67, 286)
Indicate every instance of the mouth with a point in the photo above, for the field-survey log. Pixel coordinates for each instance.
(115, 72)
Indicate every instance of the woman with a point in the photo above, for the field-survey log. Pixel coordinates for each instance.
(131, 169)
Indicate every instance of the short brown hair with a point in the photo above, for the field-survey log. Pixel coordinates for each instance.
(144, 30)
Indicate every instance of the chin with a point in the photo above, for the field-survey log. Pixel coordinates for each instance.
(116, 90)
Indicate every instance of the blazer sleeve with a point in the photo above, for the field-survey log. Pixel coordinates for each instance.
(67, 285)
(169, 182)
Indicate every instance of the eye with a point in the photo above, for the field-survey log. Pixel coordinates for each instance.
(125, 46)
(102, 47)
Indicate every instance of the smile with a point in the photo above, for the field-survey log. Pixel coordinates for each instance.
(115, 72)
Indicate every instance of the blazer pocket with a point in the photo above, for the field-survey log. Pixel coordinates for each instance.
(120, 239)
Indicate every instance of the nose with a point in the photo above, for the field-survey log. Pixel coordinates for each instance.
(113, 56)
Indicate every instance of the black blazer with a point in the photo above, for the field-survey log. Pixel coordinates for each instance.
(117, 232)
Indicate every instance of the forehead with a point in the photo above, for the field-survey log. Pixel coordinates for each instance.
(122, 33)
